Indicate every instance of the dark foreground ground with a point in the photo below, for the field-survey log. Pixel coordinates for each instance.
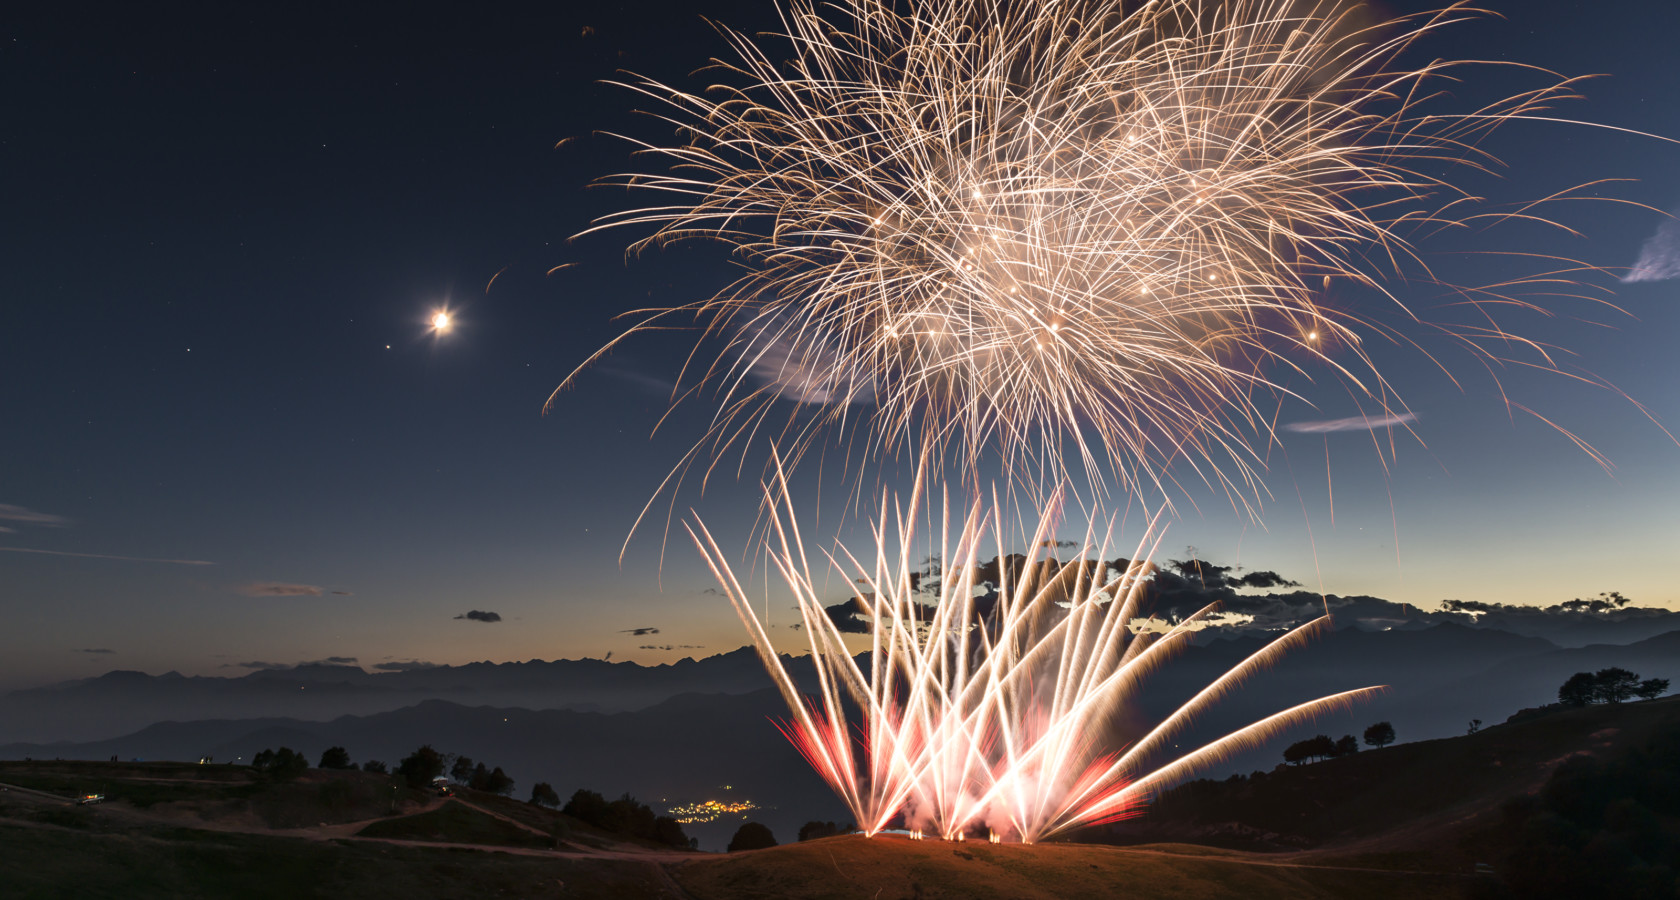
(1466, 817)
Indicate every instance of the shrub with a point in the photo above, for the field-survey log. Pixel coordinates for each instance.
(751, 836)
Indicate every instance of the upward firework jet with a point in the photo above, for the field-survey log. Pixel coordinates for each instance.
(1092, 237)
(994, 714)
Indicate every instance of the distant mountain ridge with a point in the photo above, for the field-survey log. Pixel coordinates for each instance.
(124, 701)
(1438, 677)
(706, 724)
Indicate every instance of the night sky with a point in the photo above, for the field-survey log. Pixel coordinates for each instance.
(232, 439)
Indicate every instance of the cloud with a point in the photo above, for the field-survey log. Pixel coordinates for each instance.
(13, 513)
(647, 382)
(712, 591)
(280, 589)
(269, 666)
(479, 615)
(1263, 580)
(811, 374)
(178, 562)
(412, 665)
(94, 650)
(639, 632)
(1351, 423)
(1659, 258)
(656, 647)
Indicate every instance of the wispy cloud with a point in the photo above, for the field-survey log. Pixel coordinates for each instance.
(479, 615)
(412, 665)
(1659, 258)
(808, 375)
(12, 513)
(640, 379)
(93, 650)
(639, 632)
(280, 589)
(145, 559)
(268, 666)
(1351, 423)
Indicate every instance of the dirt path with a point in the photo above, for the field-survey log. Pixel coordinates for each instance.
(347, 831)
(1285, 863)
(38, 795)
(496, 815)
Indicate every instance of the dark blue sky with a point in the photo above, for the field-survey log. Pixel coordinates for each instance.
(226, 228)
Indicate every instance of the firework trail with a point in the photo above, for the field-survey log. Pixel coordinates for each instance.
(994, 714)
(1084, 241)
(1095, 242)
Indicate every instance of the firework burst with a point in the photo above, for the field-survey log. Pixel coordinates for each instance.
(1090, 237)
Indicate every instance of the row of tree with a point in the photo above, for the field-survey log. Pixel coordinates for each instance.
(624, 816)
(1325, 747)
(1612, 685)
(417, 769)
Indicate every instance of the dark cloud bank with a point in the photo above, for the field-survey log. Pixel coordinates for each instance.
(1257, 602)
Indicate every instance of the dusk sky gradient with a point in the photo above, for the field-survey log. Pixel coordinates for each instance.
(231, 437)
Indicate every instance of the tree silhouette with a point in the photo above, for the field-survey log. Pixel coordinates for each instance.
(542, 794)
(1317, 747)
(281, 765)
(1380, 735)
(1651, 688)
(497, 782)
(1348, 745)
(374, 765)
(461, 769)
(751, 836)
(588, 807)
(810, 831)
(1579, 690)
(1613, 685)
(669, 831)
(335, 758)
(421, 766)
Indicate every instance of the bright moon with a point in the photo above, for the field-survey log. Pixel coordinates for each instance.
(440, 322)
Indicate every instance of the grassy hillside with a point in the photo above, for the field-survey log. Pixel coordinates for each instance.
(456, 823)
(1436, 803)
(850, 867)
(171, 830)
